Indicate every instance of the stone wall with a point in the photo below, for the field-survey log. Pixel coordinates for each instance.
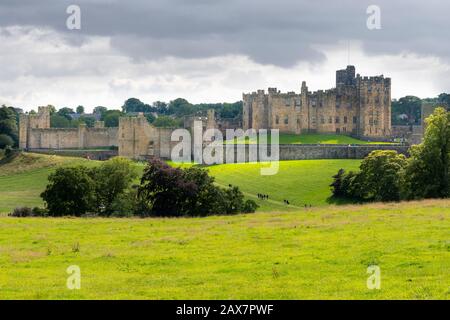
(309, 152)
(35, 133)
(360, 106)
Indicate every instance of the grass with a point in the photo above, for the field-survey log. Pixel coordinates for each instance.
(280, 252)
(313, 138)
(301, 182)
(319, 253)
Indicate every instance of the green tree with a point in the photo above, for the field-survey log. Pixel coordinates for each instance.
(136, 105)
(100, 110)
(70, 192)
(427, 172)
(113, 179)
(165, 122)
(111, 118)
(180, 107)
(80, 109)
(409, 105)
(66, 112)
(9, 123)
(5, 141)
(58, 121)
(380, 172)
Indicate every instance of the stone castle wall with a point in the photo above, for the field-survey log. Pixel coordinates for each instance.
(360, 106)
(35, 133)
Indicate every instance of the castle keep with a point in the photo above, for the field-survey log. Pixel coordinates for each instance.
(360, 106)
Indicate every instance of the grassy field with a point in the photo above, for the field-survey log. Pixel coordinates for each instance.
(301, 182)
(319, 253)
(313, 138)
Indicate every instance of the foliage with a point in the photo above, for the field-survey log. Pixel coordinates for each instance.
(80, 110)
(89, 121)
(380, 173)
(28, 212)
(168, 191)
(111, 118)
(59, 121)
(66, 112)
(136, 105)
(166, 122)
(70, 191)
(5, 141)
(100, 110)
(112, 178)
(409, 105)
(9, 123)
(427, 172)
(378, 179)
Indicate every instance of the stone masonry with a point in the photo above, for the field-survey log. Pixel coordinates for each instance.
(360, 106)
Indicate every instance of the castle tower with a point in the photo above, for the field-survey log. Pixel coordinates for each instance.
(41, 120)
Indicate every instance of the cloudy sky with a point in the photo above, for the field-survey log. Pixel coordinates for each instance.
(213, 50)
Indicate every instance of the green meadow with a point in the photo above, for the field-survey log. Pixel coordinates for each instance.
(319, 253)
(301, 182)
(279, 252)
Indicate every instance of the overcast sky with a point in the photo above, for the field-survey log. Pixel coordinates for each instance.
(213, 50)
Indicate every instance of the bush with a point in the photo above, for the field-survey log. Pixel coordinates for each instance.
(250, 206)
(167, 191)
(21, 212)
(28, 212)
(5, 141)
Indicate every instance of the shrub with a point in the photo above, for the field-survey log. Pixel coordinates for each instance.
(28, 212)
(22, 212)
(167, 191)
(5, 141)
(250, 206)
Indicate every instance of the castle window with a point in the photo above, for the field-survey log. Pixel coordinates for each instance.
(375, 122)
(330, 120)
(313, 103)
(320, 104)
(337, 120)
(338, 130)
(277, 120)
(313, 120)
(370, 122)
(354, 119)
(298, 102)
(344, 129)
(286, 120)
(345, 119)
(322, 120)
(338, 104)
(287, 102)
(298, 120)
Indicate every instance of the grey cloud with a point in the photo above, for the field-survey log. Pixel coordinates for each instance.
(281, 32)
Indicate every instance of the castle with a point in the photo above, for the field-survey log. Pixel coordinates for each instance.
(358, 106)
(134, 138)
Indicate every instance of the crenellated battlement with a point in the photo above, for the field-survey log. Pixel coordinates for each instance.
(348, 108)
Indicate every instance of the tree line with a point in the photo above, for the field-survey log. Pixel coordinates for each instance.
(389, 176)
(109, 190)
